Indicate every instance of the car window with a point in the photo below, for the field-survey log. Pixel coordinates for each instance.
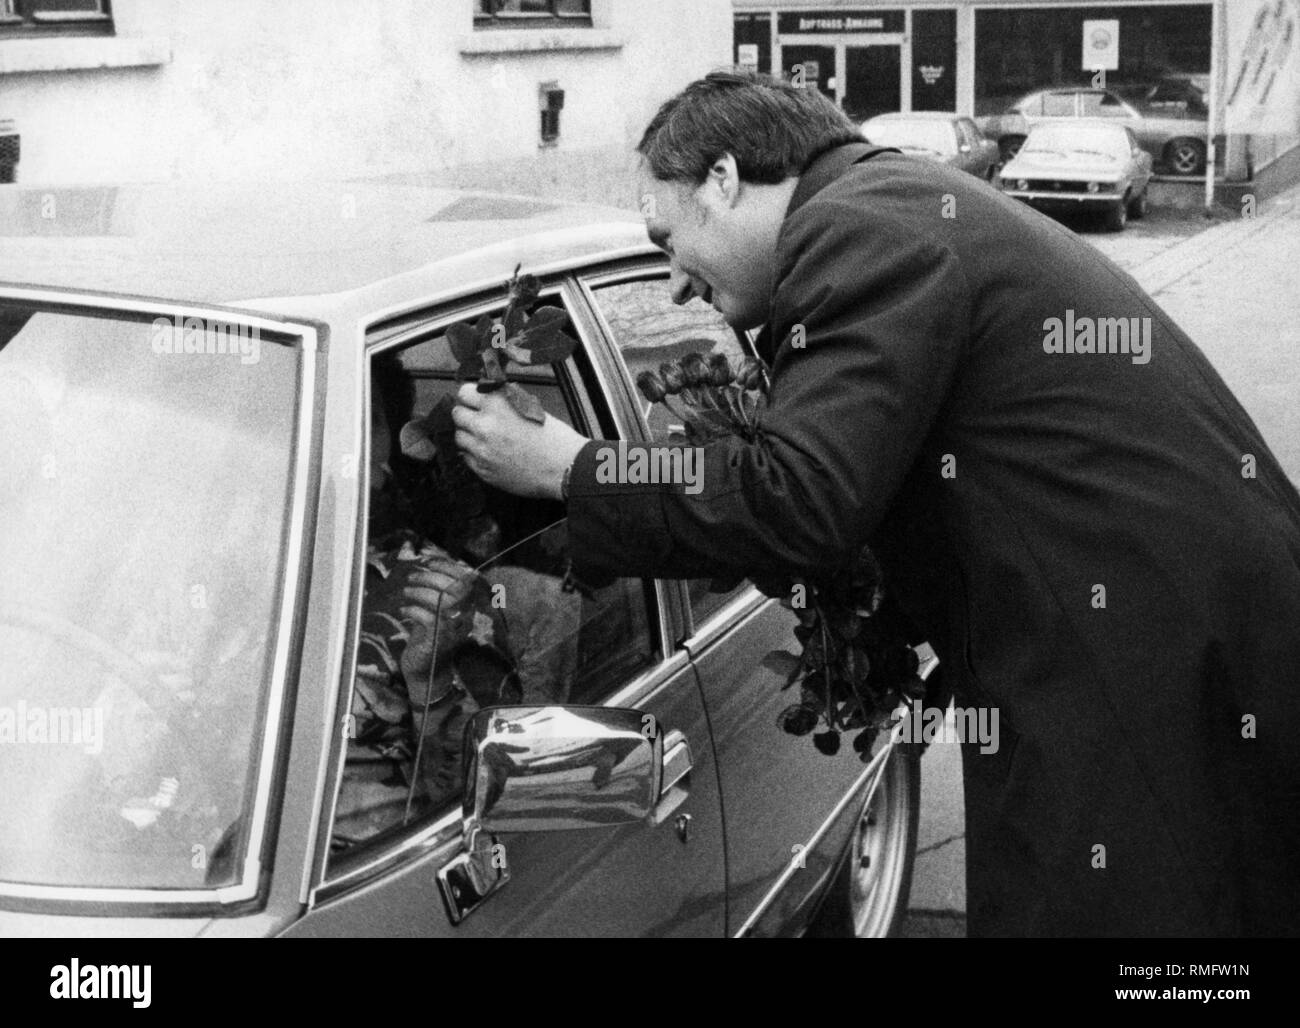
(649, 329)
(494, 618)
(924, 134)
(1101, 105)
(1058, 105)
(1031, 105)
(145, 481)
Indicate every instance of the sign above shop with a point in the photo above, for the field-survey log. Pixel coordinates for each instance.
(1101, 45)
(794, 23)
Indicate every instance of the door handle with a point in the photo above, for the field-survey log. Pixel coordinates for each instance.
(676, 777)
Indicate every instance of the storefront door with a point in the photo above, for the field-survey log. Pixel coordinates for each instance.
(873, 80)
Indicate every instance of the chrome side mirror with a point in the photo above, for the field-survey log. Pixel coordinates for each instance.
(538, 769)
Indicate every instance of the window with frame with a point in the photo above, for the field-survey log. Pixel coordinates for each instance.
(521, 14)
(20, 17)
(466, 602)
(649, 330)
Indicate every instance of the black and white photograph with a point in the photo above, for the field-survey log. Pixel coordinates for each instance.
(714, 469)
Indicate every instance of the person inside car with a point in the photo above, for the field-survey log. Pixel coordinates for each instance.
(440, 640)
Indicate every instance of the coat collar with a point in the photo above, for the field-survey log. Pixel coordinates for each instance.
(828, 166)
(821, 172)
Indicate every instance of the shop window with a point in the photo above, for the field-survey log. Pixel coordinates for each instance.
(528, 14)
(1034, 49)
(82, 17)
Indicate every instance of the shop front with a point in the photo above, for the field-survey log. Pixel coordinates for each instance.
(868, 60)
(1172, 69)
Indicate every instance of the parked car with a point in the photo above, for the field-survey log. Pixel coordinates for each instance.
(1168, 118)
(187, 379)
(948, 138)
(1082, 165)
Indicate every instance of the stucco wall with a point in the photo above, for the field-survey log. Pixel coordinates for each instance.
(340, 88)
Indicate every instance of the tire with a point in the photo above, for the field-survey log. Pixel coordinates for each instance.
(1140, 206)
(870, 902)
(1009, 146)
(1117, 215)
(1185, 156)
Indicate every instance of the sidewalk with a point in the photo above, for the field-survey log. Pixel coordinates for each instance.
(1235, 289)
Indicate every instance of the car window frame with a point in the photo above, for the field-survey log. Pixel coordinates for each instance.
(694, 637)
(272, 733)
(591, 386)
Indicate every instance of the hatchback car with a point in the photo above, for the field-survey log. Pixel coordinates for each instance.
(947, 138)
(191, 381)
(1091, 166)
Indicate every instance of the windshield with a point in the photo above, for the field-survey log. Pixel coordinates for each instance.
(919, 134)
(143, 498)
(1099, 141)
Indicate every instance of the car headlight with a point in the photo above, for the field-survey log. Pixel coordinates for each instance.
(1094, 187)
(1023, 185)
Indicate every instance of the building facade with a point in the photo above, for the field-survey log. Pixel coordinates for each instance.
(1183, 58)
(543, 96)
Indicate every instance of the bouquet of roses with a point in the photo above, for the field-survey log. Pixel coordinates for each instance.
(856, 665)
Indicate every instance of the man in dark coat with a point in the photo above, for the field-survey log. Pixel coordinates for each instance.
(1086, 523)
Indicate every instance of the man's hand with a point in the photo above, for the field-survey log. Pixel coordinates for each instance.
(507, 450)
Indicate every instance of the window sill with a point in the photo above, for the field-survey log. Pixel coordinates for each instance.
(534, 41)
(81, 53)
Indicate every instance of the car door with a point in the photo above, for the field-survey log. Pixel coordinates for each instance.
(660, 878)
(777, 790)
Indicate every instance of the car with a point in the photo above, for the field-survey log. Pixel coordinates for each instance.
(1082, 165)
(189, 377)
(948, 138)
(1168, 117)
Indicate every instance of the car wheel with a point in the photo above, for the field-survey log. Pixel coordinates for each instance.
(1117, 215)
(1138, 209)
(868, 898)
(1009, 146)
(1185, 156)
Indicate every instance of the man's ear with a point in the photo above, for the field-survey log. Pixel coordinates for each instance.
(724, 180)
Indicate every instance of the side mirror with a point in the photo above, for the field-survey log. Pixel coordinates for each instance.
(541, 769)
(536, 769)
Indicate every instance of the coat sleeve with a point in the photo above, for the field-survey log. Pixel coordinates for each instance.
(873, 319)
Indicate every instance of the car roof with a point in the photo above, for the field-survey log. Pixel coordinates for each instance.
(230, 242)
(918, 116)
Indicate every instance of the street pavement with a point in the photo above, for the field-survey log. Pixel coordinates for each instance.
(1231, 284)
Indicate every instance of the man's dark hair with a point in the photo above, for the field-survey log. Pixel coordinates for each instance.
(774, 129)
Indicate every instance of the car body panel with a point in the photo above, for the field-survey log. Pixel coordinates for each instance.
(778, 790)
(1061, 177)
(963, 147)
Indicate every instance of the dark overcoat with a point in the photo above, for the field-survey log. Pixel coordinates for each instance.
(1100, 545)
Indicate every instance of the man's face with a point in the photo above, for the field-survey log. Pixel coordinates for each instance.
(707, 232)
